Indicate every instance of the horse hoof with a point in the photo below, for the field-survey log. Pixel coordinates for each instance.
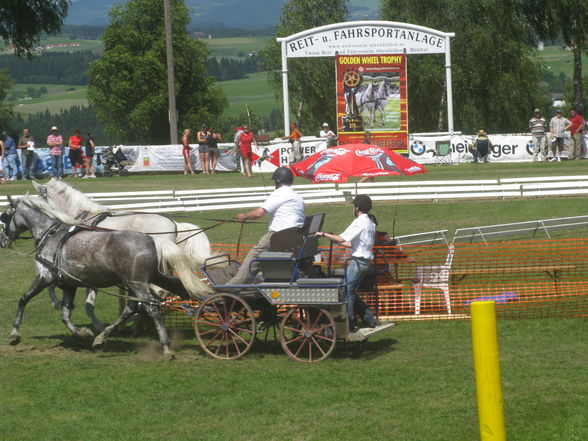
(98, 342)
(14, 340)
(169, 356)
(86, 333)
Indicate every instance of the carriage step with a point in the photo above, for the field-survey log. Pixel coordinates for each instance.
(365, 333)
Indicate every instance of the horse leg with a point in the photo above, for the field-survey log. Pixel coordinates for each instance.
(90, 307)
(57, 304)
(69, 294)
(37, 286)
(154, 312)
(129, 310)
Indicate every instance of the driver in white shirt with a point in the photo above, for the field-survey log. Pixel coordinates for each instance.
(286, 210)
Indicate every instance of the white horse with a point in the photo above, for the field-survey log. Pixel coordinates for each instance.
(364, 97)
(75, 204)
(378, 100)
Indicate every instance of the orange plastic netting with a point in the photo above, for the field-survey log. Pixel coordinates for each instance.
(527, 279)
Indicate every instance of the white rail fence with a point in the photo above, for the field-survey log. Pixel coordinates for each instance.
(170, 201)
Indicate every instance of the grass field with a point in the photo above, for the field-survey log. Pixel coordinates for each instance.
(235, 46)
(58, 97)
(253, 91)
(414, 382)
(558, 60)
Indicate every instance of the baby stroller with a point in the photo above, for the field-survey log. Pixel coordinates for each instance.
(113, 158)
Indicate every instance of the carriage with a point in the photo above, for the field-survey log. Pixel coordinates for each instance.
(302, 305)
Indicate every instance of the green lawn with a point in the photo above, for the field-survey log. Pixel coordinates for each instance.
(253, 91)
(58, 97)
(235, 46)
(414, 382)
(558, 60)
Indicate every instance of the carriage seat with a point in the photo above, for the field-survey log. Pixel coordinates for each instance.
(277, 266)
(319, 281)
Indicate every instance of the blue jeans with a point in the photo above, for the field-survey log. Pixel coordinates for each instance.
(28, 166)
(354, 271)
(57, 165)
(11, 167)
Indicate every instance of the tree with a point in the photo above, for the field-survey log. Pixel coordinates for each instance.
(127, 86)
(23, 21)
(311, 80)
(567, 19)
(495, 76)
(6, 112)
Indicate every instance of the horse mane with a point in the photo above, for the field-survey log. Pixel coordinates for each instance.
(75, 202)
(37, 202)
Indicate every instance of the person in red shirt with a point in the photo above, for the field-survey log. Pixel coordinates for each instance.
(245, 141)
(75, 154)
(576, 128)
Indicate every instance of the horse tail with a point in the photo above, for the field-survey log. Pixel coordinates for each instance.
(193, 242)
(171, 259)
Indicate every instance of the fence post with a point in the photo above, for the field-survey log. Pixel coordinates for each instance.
(487, 369)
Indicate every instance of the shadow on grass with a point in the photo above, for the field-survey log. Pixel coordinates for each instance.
(366, 350)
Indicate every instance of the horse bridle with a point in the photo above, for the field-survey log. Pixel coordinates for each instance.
(6, 219)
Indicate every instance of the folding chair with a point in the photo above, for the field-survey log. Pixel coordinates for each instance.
(436, 277)
(442, 152)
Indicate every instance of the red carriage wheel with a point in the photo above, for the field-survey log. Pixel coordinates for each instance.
(225, 326)
(308, 334)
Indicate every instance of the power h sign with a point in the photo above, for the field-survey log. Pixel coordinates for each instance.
(366, 37)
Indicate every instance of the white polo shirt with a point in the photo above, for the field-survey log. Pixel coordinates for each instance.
(362, 234)
(285, 208)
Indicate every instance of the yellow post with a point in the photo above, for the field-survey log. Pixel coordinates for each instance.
(487, 367)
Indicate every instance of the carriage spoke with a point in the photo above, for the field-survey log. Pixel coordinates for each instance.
(220, 333)
(300, 347)
(234, 334)
(316, 343)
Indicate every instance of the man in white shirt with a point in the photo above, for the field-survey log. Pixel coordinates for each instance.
(286, 210)
(329, 135)
(557, 129)
(360, 237)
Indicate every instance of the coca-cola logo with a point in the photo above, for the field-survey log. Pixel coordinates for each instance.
(335, 151)
(327, 177)
(372, 151)
(413, 169)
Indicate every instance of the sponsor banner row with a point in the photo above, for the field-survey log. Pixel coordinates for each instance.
(156, 158)
(505, 148)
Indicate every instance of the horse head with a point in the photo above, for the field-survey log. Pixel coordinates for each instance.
(10, 229)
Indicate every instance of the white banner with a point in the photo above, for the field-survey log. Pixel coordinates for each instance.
(157, 158)
(376, 37)
(506, 148)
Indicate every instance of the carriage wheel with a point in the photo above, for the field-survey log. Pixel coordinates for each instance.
(308, 334)
(225, 326)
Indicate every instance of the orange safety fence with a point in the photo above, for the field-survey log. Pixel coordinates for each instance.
(527, 279)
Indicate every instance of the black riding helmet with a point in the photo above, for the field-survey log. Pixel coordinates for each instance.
(283, 175)
(363, 202)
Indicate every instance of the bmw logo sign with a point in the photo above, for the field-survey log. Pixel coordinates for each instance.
(530, 147)
(417, 148)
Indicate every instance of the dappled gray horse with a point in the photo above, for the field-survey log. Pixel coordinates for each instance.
(72, 256)
(77, 205)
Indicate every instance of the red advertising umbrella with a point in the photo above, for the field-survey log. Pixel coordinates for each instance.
(336, 164)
